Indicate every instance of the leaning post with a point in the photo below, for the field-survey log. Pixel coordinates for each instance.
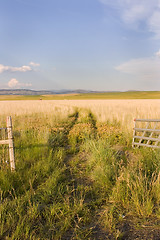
(11, 145)
(134, 132)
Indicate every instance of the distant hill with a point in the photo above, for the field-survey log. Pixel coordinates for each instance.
(22, 92)
(25, 94)
(43, 92)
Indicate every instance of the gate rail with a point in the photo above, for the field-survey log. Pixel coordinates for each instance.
(147, 136)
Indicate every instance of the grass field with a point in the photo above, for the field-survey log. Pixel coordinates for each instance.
(85, 96)
(121, 111)
(77, 176)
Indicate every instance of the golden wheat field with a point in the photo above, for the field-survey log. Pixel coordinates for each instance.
(123, 111)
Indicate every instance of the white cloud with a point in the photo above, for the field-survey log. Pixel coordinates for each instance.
(14, 83)
(14, 69)
(34, 64)
(3, 68)
(20, 69)
(143, 68)
(26, 84)
(158, 53)
(134, 12)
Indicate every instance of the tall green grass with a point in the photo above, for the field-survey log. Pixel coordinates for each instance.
(76, 179)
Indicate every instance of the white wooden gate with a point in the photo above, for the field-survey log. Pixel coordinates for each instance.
(146, 133)
(9, 141)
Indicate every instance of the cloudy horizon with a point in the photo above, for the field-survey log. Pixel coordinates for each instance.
(85, 44)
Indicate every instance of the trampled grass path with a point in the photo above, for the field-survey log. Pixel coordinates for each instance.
(79, 179)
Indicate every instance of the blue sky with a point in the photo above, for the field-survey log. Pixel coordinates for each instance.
(80, 44)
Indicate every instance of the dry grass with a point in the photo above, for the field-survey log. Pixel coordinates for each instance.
(123, 111)
(34, 109)
(33, 106)
(78, 178)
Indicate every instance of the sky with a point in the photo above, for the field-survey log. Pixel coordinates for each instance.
(103, 45)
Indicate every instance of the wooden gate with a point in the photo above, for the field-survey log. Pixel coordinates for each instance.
(9, 141)
(146, 132)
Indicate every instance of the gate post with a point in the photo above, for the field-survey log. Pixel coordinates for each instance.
(134, 132)
(11, 145)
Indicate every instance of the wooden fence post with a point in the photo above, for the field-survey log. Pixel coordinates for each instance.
(11, 145)
(134, 132)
